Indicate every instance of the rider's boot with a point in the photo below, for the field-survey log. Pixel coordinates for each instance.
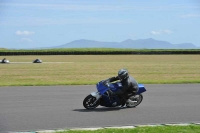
(123, 103)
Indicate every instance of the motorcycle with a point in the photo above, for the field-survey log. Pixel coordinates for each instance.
(4, 61)
(102, 97)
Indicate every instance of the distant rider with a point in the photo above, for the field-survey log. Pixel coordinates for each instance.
(4, 60)
(129, 85)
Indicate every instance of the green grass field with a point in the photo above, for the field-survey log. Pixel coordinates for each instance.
(89, 69)
(158, 129)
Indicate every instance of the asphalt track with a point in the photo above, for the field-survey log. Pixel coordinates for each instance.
(58, 107)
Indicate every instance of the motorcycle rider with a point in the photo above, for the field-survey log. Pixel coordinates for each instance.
(129, 85)
(4, 60)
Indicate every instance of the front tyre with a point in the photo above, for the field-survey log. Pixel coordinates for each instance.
(90, 102)
(137, 100)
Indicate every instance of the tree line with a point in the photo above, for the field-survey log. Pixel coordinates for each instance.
(95, 52)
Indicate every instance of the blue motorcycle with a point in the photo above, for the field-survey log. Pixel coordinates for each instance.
(102, 97)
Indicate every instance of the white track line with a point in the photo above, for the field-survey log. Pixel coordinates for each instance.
(35, 63)
(119, 127)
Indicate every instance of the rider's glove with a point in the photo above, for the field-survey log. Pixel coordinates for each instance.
(106, 83)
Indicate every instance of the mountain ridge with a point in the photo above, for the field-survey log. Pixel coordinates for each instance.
(148, 43)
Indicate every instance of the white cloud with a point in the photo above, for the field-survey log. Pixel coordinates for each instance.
(155, 32)
(159, 32)
(25, 40)
(24, 33)
(166, 31)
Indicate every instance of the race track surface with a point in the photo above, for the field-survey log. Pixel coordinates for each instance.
(58, 107)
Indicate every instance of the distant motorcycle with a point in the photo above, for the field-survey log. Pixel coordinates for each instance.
(37, 61)
(4, 61)
(101, 97)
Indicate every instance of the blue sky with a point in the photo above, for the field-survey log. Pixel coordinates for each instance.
(46, 23)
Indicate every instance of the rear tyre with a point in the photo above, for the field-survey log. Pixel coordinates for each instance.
(89, 102)
(137, 98)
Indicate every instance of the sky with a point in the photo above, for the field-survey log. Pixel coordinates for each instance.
(47, 23)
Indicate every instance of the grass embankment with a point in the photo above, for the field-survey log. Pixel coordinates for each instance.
(158, 129)
(89, 69)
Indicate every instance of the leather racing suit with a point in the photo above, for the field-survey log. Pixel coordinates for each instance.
(129, 85)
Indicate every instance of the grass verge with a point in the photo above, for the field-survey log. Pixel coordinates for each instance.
(147, 129)
(89, 69)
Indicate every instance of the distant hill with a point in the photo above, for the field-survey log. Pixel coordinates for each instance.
(3, 48)
(136, 44)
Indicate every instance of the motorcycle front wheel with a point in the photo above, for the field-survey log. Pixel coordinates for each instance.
(89, 102)
(137, 100)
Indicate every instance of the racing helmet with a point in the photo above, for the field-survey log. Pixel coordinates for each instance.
(123, 74)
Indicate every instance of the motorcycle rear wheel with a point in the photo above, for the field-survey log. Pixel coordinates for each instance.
(88, 102)
(137, 98)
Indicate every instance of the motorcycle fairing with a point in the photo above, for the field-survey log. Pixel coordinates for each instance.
(106, 100)
(102, 88)
(110, 102)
